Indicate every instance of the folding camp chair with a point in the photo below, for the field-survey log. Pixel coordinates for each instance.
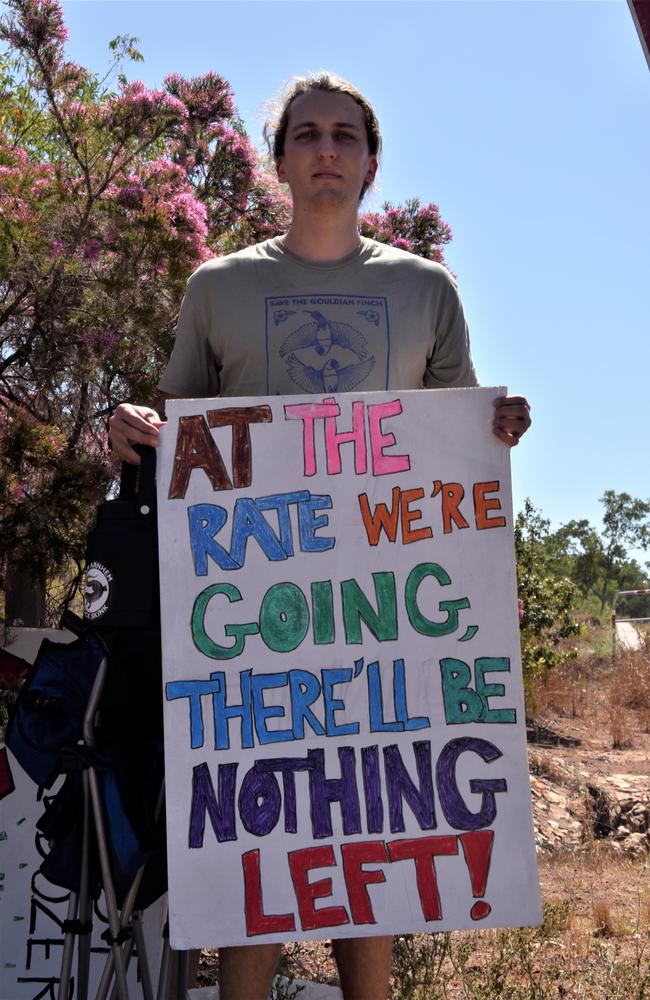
(75, 716)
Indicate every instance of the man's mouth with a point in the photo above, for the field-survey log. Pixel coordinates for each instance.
(327, 173)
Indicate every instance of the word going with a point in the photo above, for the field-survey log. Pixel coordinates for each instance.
(284, 616)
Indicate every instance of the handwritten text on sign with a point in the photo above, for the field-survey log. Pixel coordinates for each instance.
(344, 728)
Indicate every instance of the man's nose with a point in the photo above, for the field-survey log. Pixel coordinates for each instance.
(327, 147)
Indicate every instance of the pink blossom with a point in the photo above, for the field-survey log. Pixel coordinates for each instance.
(75, 109)
(131, 192)
(38, 27)
(102, 341)
(91, 250)
(18, 491)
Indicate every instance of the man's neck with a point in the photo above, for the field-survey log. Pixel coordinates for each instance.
(322, 238)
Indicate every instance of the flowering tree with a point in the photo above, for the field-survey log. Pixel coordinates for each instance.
(112, 194)
(411, 226)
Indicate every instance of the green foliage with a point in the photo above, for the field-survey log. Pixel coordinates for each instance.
(599, 563)
(112, 194)
(511, 964)
(548, 597)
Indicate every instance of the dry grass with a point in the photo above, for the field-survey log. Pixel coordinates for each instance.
(632, 681)
(601, 915)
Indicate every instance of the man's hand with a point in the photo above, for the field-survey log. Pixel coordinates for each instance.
(511, 418)
(131, 425)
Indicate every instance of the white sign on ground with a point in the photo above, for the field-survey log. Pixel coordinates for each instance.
(344, 723)
(32, 910)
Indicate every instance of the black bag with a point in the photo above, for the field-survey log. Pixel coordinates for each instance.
(122, 584)
(122, 604)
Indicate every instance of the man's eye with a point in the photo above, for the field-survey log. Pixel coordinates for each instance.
(308, 134)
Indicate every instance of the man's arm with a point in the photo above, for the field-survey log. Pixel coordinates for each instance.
(132, 424)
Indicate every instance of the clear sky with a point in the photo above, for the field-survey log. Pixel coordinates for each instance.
(528, 123)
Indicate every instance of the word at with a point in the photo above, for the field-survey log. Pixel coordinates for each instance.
(197, 449)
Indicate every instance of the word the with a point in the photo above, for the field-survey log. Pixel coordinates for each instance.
(362, 414)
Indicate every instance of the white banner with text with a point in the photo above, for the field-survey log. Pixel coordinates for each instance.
(345, 738)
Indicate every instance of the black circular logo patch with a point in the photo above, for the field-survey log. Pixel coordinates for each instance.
(97, 591)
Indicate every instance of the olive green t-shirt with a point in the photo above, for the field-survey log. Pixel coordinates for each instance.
(263, 321)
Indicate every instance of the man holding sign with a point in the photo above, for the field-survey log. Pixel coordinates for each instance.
(319, 310)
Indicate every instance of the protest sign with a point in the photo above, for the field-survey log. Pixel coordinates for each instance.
(344, 724)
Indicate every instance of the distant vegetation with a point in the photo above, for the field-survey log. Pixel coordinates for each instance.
(572, 574)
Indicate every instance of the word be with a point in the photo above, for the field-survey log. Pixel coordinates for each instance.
(424, 852)
(466, 704)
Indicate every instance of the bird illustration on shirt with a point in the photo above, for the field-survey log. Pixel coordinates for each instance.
(347, 361)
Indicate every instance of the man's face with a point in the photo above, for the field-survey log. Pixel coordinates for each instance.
(326, 160)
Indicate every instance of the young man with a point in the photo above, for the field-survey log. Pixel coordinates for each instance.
(320, 310)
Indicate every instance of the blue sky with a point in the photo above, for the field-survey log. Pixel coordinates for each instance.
(528, 123)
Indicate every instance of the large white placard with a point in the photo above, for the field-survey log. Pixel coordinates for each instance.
(344, 724)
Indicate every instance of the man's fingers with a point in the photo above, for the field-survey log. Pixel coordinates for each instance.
(131, 425)
(508, 437)
(511, 418)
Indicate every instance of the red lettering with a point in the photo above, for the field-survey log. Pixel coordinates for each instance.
(196, 449)
(412, 534)
(452, 494)
(239, 418)
(381, 519)
(300, 863)
(257, 921)
(356, 879)
(423, 851)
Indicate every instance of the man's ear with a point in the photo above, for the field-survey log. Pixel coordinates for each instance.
(279, 170)
(372, 170)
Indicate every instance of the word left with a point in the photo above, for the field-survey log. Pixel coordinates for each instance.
(423, 852)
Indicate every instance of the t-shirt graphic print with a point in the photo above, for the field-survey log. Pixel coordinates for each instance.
(327, 343)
